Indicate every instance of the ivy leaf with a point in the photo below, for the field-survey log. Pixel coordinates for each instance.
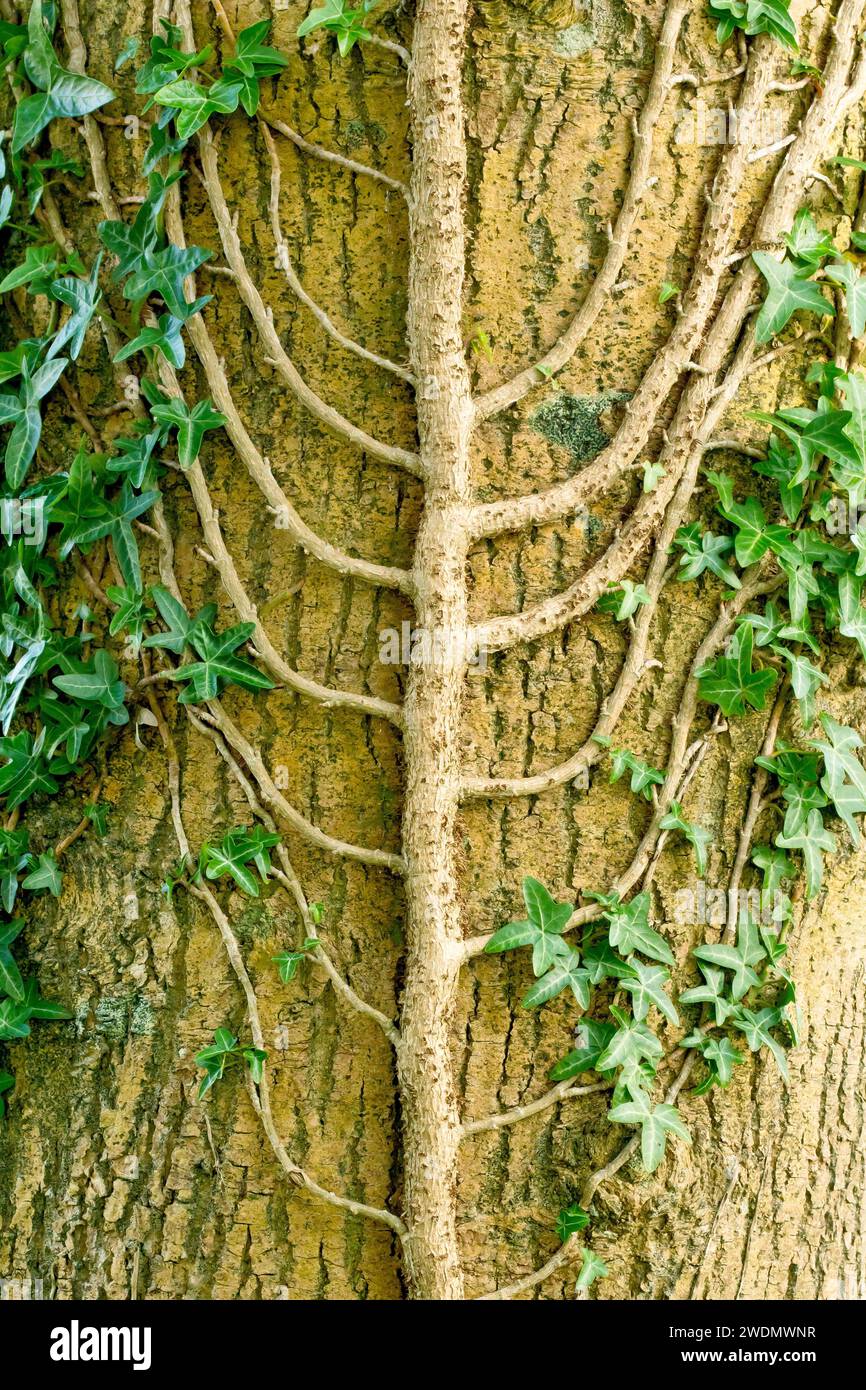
(811, 840)
(603, 963)
(167, 338)
(11, 982)
(720, 1056)
(787, 292)
(698, 838)
(852, 620)
(183, 630)
(82, 297)
(218, 666)
(98, 686)
(6, 1084)
(647, 987)
(730, 682)
(806, 681)
(756, 1028)
(132, 614)
(806, 243)
(738, 959)
(24, 773)
(61, 93)
(844, 778)
(629, 930)
(592, 1037)
(127, 52)
(710, 993)
(235, 852)
(656, 1122)
(631, 1041)
(163, 272)
(288, 961)
(776, 866)
(570, 1221)
(564, 973)
(643, 777)
(845, 274)
(194, 104)
(623, 599)
(46, 875)
(191, 425)
(592, 1267)
(705, 551)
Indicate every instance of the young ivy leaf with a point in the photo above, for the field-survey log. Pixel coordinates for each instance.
(337, 18)
(632, 1041)
(570, 1221)
(647, 987)
(712, 992)
(704, 551)
(547, 920)
(756, 1028)
(564, 973)
(235, 852)
(698, 838)
(623, 599)
(788, 290)
(592, 1267)
(45, 875)
(643, 777)
(288, 961)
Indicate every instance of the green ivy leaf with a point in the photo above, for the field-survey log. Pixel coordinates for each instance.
(656, 1122)
(787, 292)
(592, 1268)
(738, 959)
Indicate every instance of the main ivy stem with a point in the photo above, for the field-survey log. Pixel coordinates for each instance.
(435, 685)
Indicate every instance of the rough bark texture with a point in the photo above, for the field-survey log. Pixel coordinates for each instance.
(114, 1182)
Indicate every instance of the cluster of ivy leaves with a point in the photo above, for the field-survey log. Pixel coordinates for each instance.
(61, 691)
(753, 17)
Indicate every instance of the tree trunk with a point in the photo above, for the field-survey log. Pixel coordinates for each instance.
(115, 1181)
